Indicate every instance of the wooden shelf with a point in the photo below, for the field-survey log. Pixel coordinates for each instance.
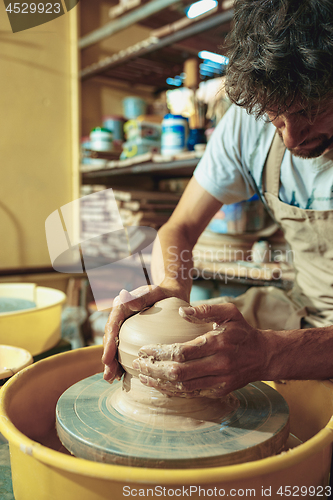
(138, 63)
(125, 19)
(167, 169)
(179, 168)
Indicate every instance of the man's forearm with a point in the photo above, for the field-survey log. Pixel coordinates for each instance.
(172, 256)
(172, 259)
(300, 354)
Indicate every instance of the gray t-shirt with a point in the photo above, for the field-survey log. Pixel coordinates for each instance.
(231, 168)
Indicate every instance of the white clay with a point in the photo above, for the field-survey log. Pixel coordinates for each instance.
(162, 324)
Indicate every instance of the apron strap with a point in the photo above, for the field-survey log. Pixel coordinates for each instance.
(272, 167)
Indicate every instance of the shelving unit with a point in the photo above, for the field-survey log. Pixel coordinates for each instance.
(153, 57)
(172, 39)
(118, 174)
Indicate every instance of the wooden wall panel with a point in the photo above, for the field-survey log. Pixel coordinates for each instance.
(39, 134)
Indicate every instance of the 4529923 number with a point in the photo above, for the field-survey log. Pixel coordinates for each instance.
(304, 491)
(34, 8)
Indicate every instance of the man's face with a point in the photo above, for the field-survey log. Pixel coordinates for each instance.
(303, 136)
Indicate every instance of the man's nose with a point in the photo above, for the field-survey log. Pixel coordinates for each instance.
(294, 131)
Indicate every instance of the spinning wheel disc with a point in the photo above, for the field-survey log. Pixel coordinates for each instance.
(89, 427)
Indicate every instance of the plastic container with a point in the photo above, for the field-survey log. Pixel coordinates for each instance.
(196, 136)
(174, 130)
(139, 147)
(134, 107)
(115, 124)
(36, 330)
(42, 469)
(141, 129)
(12, 360)
(101, 139)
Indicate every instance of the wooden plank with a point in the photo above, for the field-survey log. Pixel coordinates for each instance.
(154, 44)
(146, 196)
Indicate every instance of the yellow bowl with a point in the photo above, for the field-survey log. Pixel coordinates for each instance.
(41, 468)
(12, 360)
(36, 330)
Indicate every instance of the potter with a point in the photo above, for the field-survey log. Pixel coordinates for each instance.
(276, 141)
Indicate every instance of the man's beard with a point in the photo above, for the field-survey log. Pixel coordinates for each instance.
(318, 150)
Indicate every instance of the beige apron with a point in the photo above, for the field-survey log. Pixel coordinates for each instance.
(310, 236)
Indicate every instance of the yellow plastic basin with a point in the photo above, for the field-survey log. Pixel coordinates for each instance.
(36, 330)
(41, 468)
(13, 359)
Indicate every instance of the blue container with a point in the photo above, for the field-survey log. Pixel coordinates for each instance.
(134, 107)
(173, 140)
(196, 136)
(115, 124)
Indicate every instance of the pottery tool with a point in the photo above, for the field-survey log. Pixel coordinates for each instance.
(132, 251)
(131, 424)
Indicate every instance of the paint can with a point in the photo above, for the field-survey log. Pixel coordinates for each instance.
(174, 129)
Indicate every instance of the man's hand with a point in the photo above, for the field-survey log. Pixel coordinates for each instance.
(214, 364)
(125, 305)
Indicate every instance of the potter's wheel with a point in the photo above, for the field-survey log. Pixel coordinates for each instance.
(92, 424)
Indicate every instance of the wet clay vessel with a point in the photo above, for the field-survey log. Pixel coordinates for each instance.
(159, 324)
(162, 324)
(129, 423)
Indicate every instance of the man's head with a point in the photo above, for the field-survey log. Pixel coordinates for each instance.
(304, 136)
(281, 63)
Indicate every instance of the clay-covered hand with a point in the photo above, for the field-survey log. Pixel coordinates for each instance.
(125, 305)
(214, 364)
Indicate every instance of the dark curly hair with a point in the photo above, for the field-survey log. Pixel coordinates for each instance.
(281, 54)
